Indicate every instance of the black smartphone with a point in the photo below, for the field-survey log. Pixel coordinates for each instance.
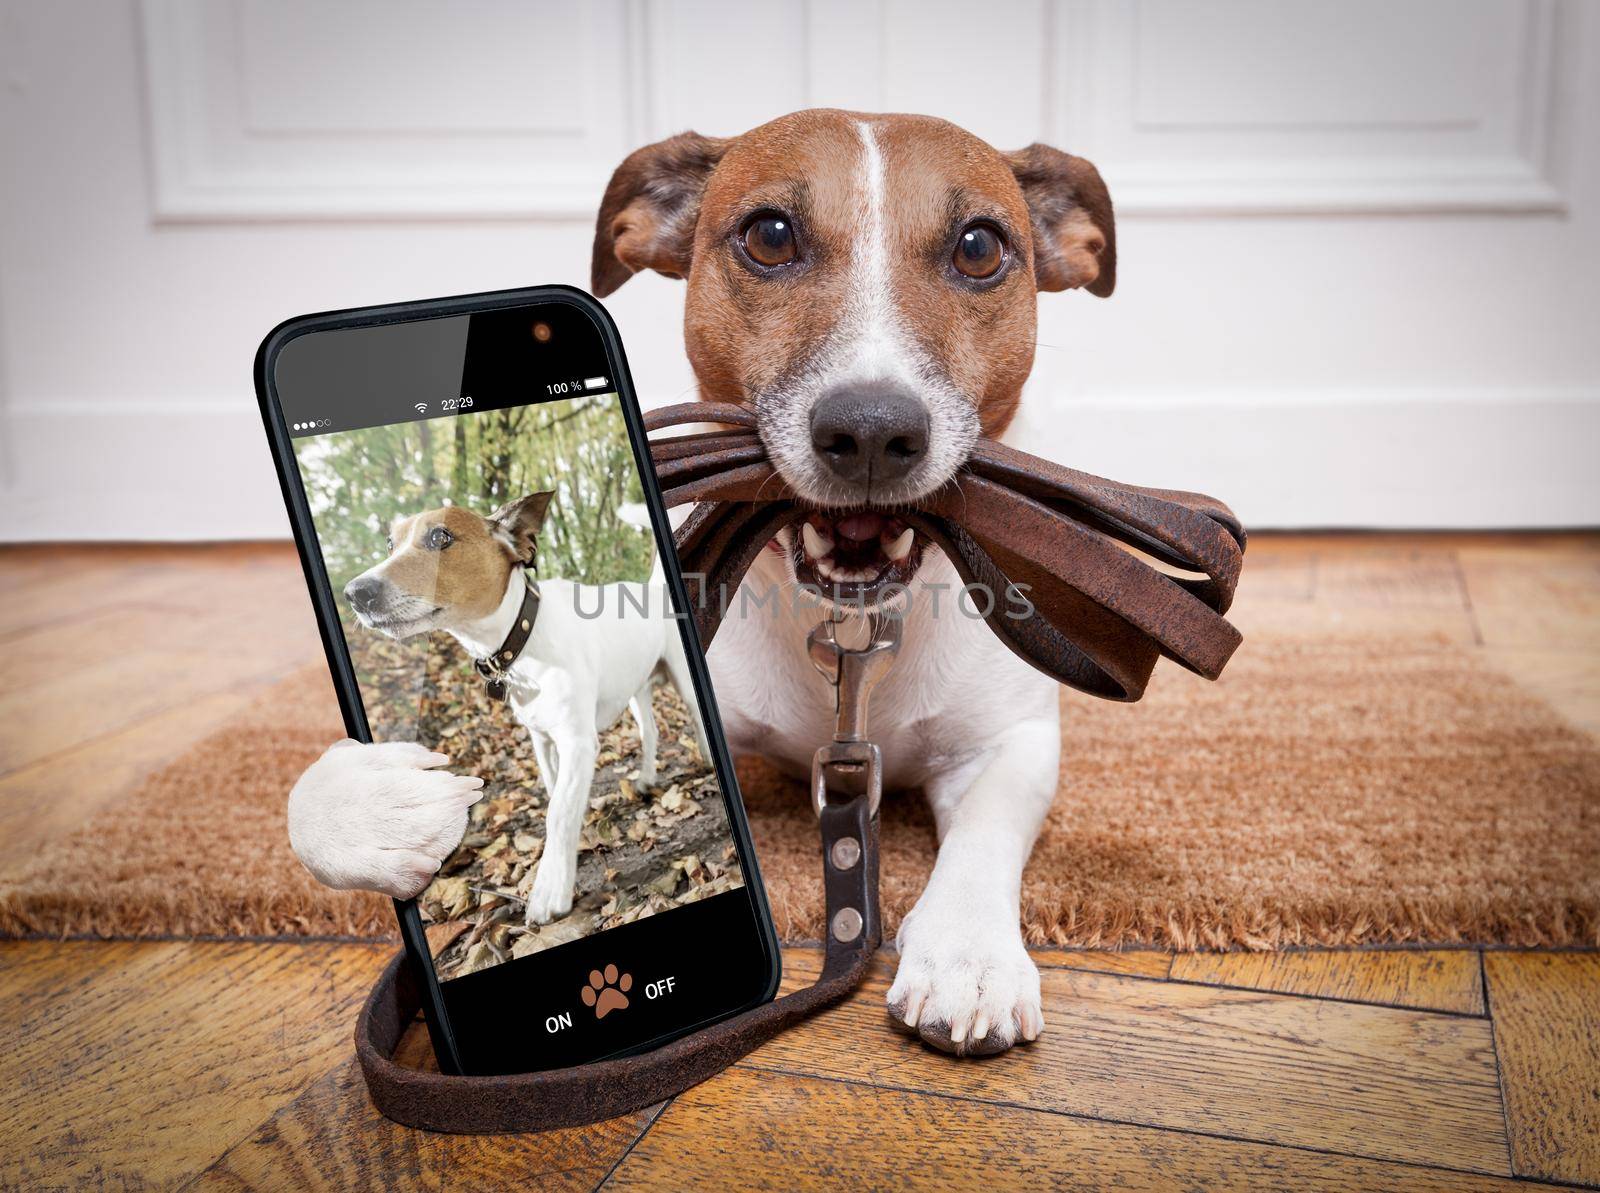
(494, 577)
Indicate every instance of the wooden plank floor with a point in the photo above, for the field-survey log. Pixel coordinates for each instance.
(228, 1064)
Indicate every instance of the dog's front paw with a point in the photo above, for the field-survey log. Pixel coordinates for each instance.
(550, 897)
(965, 985)
(379, 817)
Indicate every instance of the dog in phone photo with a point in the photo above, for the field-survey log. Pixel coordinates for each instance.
(867, 285)
(524, 676)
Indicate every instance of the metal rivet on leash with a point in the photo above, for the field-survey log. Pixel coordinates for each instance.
(524, 623)
(846, 925)
(846, 853)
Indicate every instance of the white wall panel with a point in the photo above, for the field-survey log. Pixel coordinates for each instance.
(1240, 106)
(718, 66)
(1359, 242)
(1359, 65)
(982, 68)
(277, 109)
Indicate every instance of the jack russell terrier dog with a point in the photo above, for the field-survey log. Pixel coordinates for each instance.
(866, 284)
(591, 651)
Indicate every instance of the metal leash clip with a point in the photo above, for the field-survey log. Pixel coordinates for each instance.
(855, 762)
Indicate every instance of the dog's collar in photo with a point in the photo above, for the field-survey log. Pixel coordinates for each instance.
(494, 667)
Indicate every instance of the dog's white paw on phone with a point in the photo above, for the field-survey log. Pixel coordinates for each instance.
(964, 985)
(550, 897)
(380, 817)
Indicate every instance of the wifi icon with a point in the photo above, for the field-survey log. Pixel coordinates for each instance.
(420, 407)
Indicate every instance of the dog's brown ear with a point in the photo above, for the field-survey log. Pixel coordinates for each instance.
(649, 211)
(518, 523)
(1074, 231)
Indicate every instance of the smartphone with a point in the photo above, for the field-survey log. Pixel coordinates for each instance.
(455, 470)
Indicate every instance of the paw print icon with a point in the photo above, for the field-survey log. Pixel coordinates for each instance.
(607, 992)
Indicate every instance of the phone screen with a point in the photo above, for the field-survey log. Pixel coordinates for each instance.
(464, 476)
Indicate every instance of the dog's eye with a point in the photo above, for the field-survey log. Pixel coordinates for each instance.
(980, 251)
(438, 539)
(770, 241)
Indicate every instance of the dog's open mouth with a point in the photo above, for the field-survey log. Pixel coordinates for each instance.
(855, 556)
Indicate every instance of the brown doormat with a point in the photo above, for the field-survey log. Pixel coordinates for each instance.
(1323, 793)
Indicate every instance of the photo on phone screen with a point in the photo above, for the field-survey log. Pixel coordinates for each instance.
(406, 516)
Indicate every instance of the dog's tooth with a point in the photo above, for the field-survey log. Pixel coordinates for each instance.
(824, 569)
(901, 547)
(816, 545)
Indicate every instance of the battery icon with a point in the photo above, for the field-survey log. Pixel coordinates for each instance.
(595, 382)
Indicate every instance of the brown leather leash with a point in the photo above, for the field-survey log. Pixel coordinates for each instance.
(588, 1093)
(846, 784)
(1099, 619)
(1009, 521)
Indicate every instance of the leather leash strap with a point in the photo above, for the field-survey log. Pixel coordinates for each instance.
(846, 785)
(1100, 618)
(1016, 526)
(589, 1093)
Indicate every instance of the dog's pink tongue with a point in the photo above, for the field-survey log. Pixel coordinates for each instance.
(860, 528)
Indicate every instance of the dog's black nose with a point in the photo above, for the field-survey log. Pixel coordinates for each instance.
(363, 593)
(870, 433)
